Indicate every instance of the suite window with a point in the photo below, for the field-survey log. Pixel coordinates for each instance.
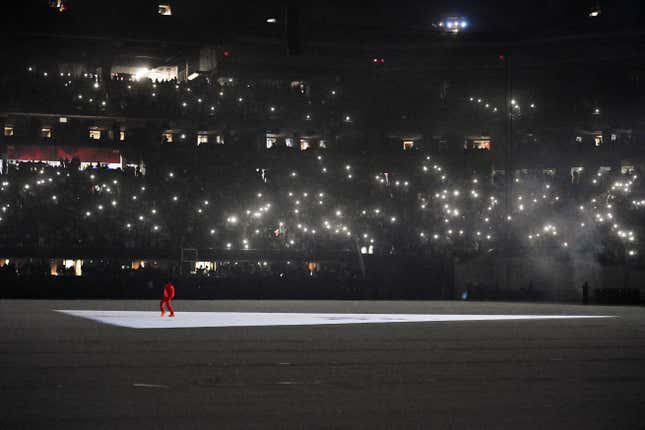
(46, 133)
(167, 137)
(8, 131)
(122, 136)
(408, 145)
(201, 139)
(95, 134)
(165, 9)
(481, 144)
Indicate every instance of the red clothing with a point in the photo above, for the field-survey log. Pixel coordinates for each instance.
(168, 291)
(168, 305)
(168, 295)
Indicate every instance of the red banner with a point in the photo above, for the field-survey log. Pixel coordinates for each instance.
(56, 153)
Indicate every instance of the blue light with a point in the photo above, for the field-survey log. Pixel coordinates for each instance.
(463, 24)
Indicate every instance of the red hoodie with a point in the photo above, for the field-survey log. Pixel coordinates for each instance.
(168, 291)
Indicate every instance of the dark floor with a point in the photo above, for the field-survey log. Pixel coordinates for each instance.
(59, 371)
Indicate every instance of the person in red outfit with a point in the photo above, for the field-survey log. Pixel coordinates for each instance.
(168, 295)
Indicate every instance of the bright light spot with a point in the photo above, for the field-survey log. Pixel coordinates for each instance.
(141, 73)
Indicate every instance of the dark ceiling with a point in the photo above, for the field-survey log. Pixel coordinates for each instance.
(377, 21)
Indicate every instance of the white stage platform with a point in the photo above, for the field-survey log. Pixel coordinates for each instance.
(151, 320)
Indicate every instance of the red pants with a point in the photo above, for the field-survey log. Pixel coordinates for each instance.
(168, 305)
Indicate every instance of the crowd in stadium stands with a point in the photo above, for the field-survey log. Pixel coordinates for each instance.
(318, 203)
(226, 99)
(322, 203)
